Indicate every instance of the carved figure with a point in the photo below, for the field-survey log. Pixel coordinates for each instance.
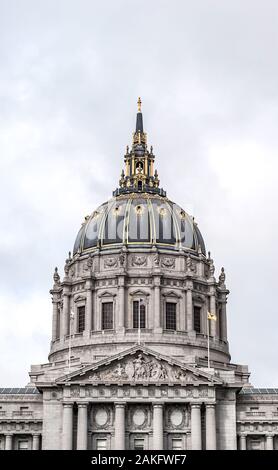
(56, 277)
(156, 260)
(222, 278)
(122, 259)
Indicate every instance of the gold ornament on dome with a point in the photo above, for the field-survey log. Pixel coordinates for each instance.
(162, 211)
(116, 210)
(139, 210)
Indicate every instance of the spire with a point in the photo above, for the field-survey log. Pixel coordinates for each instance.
(139, 175)
(139, 118)
(139, 136)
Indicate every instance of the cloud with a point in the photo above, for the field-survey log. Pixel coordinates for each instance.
(70, 77)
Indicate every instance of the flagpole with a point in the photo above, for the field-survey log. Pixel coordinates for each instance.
(208, 341)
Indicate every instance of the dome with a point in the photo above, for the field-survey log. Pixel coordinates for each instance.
(139, 220)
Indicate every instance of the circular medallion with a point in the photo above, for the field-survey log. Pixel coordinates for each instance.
(138, 417)
(101, 417)
(176, 417)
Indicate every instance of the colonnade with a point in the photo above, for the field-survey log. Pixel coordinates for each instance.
(269, 441)
(10, 440)
(120, 423)
(92, 308)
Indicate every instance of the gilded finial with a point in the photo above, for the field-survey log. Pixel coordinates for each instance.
(139, 103)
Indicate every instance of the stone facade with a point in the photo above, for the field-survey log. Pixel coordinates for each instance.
(110, 384)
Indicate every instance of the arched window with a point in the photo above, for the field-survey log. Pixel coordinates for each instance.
(136, 314)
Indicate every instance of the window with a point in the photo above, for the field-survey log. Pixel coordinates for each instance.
(23, 445)
(197, 319)
(176, 444)
(81, 318)
(138, 444)
(107, 316)
(136, 314)
(101, 444)
(171, 320)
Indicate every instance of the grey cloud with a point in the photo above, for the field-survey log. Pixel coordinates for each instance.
(207, 74)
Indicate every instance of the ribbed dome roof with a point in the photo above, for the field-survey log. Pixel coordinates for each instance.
(139, 220)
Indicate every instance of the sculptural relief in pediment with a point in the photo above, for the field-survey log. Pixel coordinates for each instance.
(142, 368)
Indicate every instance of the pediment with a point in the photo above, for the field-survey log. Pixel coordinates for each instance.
(107, 294)
(140, 365)
(79, 298)
(139, 293)
(171, 293)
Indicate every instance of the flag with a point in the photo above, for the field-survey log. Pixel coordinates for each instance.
(212, 316)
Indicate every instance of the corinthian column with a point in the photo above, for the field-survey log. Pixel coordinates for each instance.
(82, 426)
(54, 319)
(36, 442)
(158, 426)
(119, 426)
(67, 427)
(65, 322)
(8, 442)
(121, 303)
(189, 308)
(210, 427)
(196, 439)
(242, 442)
(157, 316)
(213, 312)
(224, 320)
(89, 307)
(269, 442)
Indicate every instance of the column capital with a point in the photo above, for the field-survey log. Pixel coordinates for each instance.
(82, 405)
(121, 280)
(210, 405)
(66, 293)
(120, 404)
(88, 285)
(195, 405)
(158, 405)
(67, 405)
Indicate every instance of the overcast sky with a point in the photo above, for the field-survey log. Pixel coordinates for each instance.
(70, 75)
